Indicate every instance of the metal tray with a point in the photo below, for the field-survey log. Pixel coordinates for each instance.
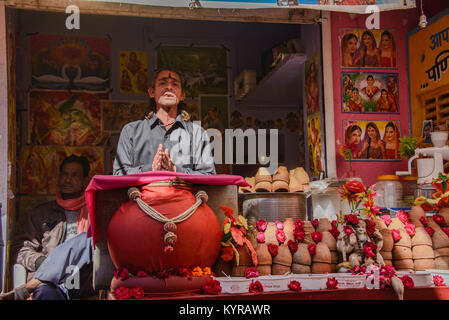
(273, 206)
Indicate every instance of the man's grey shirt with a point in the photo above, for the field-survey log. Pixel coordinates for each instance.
(187, 142)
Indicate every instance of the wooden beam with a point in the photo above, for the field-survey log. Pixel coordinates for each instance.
(275, 15)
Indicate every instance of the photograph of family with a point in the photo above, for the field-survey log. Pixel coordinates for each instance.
(370, 92)
(372, 140)
(363, 48)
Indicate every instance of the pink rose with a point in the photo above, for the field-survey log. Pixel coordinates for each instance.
(261, 225)
(279, 225)
(317, 236)
(260, 237)
(386, 219)
(348, 230)
(332, 283)
(387, 270)
(251, 272)
(294, 286)
(438, 281)
(396, 235)
(403, 216)
(410, 229)
(280, 236)
(369, 248)
(407, 281)
(430, 230)
(423, 220)
(445, 230)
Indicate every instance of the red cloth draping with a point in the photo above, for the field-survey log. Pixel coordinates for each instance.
(109, 182)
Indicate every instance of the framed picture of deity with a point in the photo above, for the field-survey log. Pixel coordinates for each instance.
(367, 48)
(372, 139)
(117, 113)
(372, 92)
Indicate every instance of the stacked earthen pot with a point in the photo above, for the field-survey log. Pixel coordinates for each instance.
(244, 262)
(324, 226)
(321, 260)
(387, 247)
(308, 229)
(440, 243)
(302, 259)
(282, 261)
(402, 249)
(423, 255)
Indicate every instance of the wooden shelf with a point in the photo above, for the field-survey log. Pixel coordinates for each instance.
(281, 86)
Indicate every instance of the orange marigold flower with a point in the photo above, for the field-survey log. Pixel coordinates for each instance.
(197, 272)
(207, 271)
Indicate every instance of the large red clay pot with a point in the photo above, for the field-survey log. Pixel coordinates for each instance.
(136, 240)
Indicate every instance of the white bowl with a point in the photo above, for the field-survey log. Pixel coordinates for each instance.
(310, 281)
(439, 138)
(274, 282)
(348, 280)
(233, 284)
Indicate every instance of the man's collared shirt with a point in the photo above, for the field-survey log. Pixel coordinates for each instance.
(187, 142)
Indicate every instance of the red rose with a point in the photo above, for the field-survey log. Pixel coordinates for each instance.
(430, 231)
(227, 254)
(142, 274)
(348, 230)
(423, 220)
(261, 225)
(280, 236)
(370, 230)
(124, 274)
(211, 287)
(312, 249)
(396, 235)
(299, 224)
(438, 281)
(386, 219)
(387, 271)
(137, 293)
(334, 232)
(446, 230)
(184, 272)
(352, 218)
(334, 224)
(385, 281)
(407, 281)
(315, 223)
(294, 286)
(369, 248)
(355, 186)
(292, 246)
(403, 216)
(427, 207)
(122, 293)
(251, 272)
(255, 286)
(273, 248)
(317, 236)
(410, 229)
(332, 283)
(299, 235)
(438, 219)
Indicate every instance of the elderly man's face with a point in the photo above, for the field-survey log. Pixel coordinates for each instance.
(71, 179)
(167, 89)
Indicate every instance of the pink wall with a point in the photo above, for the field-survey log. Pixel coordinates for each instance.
(402, 21)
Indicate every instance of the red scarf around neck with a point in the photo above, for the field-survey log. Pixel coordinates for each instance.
(76, 204)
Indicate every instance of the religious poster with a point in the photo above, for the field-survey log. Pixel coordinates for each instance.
(39, 166)
(65, 118)
(214, 112)
(62, 62)
(428, 55)
(133, 72)
(117, 113)
(373, 140)
(370, 92)
(203, 69)
(311, 85)
(314, 142)
(367, 48)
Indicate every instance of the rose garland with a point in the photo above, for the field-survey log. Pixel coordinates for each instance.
(124, 274)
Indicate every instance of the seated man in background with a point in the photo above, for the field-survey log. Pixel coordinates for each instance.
(55, 237)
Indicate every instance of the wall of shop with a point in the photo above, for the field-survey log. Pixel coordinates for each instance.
(401, 22)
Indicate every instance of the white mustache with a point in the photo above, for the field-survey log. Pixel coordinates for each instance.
(169, 94)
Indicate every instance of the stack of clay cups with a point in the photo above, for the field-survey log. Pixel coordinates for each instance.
(415, 214)
(302, 259)
(244, 262)
(402, 252)
(440, 243)
(423, 255)
(308, 229)
(264, 259)
(388, 242)
(444, 212)
(321, 260)
(282, 262)
(289, 226)
(324, 226)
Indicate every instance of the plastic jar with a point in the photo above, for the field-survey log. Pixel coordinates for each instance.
(390, 191)
(409, 185)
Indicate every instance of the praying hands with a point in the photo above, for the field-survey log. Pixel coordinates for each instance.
(162, 161)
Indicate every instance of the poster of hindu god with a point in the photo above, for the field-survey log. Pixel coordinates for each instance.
(311, 85)
(214, 112)
(65, 119)
(366, 48)
(314, 142)
(62, 62)
(118, 113)
(133, 72)
(203, 69)
(370, 92)
(373, 140)
(39, 166)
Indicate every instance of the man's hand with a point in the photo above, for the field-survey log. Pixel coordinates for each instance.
(167, 163)
(157, 161)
